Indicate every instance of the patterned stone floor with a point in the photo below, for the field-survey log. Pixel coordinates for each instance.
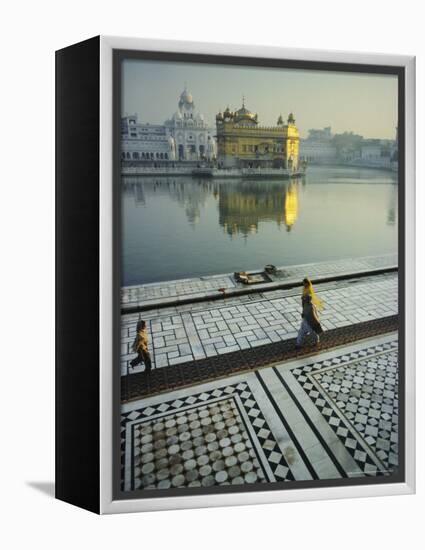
(195, 331)
(203, 287)
(333, 416)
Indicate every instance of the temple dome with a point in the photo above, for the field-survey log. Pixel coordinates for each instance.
(244, 114)
(186, 97)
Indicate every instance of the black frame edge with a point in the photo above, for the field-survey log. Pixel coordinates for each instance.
(77, 461)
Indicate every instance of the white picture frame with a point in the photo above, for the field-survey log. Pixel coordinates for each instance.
(108, 503)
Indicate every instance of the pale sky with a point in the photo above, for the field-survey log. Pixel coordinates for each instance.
(363, 103)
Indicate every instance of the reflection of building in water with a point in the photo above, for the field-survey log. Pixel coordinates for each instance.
(244, 205)
(190, 195)
(135, 188)
(139, 194)
(193, 138)
(393, 206)
(291, 206)
(242, 142)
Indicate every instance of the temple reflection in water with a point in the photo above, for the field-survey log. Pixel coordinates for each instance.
(242, 206)
(179, 227)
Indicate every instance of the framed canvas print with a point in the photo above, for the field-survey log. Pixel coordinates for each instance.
(235, 274)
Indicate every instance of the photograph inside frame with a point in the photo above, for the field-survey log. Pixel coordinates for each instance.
(259, 270)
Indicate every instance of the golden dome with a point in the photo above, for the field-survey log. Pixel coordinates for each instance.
(244, 114)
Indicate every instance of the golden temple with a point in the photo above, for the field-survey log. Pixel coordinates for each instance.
(243, 143)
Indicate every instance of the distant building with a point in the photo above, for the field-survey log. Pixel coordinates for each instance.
(324, 147)
(378, 148)
(371, 149)
(318, 147)
(379, 152)
(193, 138)
(145, 142)
(242, 142)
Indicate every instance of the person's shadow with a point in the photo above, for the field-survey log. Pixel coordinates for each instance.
(46, 487)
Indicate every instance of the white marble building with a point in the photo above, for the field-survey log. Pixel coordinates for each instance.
(145, 142)
(193, 138)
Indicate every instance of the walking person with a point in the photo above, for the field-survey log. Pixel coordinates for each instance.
(140, 346)
(310, 318)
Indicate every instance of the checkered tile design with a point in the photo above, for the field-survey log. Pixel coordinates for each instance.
(357, 395)
(202, 440)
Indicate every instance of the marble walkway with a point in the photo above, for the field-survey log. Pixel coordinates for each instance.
(170, 292)
(195, 331)
(328, 417)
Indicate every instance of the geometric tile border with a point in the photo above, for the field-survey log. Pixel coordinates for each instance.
(357, 395)
(266, 462)
(202, 446)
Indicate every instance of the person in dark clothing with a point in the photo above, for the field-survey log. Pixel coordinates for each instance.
(140, 346)
(310, 321)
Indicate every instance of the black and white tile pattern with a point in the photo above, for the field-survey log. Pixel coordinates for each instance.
(357, 394)
(218, 437)
(186, 333)
(336, 417)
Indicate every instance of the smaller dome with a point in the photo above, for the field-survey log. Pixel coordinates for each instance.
(291, 119)
(280, 121)
(227, 113)
(177, 115)
(186, 97)
(219, 116)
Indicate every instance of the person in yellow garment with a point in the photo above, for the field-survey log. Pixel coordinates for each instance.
(310, 318)
(140, 346)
